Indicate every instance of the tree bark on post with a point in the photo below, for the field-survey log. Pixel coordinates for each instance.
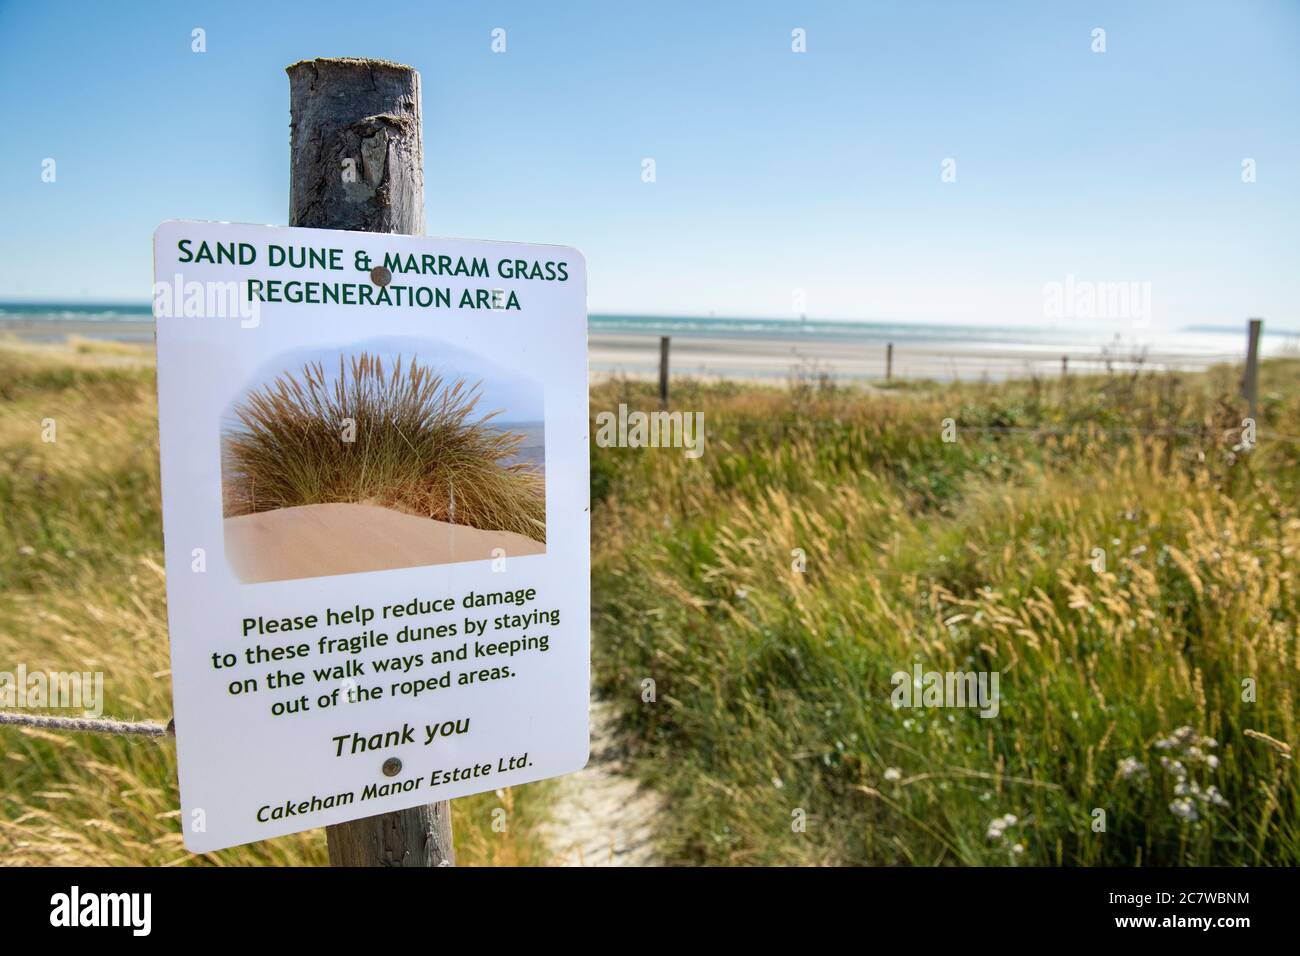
(356, 161)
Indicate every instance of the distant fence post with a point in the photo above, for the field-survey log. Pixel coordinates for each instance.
(1250, 380)
(356, 161)
(663, 370)
(889, 361)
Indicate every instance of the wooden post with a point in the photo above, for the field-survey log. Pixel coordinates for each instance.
(356, 161)
(1250, 381)
(1065, 366)
(889, 361)
(663, 370)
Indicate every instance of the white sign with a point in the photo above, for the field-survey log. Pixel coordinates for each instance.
(375, 507)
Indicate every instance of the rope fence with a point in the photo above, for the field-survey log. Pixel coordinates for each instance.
(93, 725)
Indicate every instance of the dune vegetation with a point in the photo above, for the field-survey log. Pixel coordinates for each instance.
(401, 437)
(1107, 545)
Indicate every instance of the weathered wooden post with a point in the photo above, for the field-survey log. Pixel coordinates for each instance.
(889, 361)
(356, 161)
(663, 370)
(1250, 380)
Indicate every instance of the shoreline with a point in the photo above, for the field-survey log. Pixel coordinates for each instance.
(773, 359)
(53, 331)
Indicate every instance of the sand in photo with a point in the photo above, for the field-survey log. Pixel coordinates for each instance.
(318, 540)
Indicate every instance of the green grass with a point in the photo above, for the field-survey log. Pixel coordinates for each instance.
(773, 685)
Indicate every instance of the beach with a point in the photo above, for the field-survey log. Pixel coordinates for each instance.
(43, 330)
(780, 359)
(779, 351)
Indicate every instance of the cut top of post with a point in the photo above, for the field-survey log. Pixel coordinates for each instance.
(356, 146)
(327, 62)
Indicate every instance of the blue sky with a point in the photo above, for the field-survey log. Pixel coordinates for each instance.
(776, 171)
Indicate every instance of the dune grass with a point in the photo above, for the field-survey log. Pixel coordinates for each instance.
(1106, 545)
(81, 588)
(401, 437)
(772, 685)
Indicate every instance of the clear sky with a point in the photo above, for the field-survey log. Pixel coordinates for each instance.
(775, 171)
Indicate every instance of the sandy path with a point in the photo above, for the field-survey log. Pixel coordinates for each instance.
(602, 816)
(317, 540)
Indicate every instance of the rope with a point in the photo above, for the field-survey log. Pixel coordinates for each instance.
(90, 725)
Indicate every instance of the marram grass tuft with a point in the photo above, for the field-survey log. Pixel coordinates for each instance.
(403, 438)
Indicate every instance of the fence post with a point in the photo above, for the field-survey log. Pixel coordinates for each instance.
(356, 161)
(889, 361)
(663, 370)
(1065, 366)
(1250, 380)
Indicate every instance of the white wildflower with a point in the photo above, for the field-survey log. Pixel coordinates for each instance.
(998, 825)
(1131, 767)
(1173, 766)
(1213, 796)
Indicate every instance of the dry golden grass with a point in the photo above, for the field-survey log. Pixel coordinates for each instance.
(81, 589)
